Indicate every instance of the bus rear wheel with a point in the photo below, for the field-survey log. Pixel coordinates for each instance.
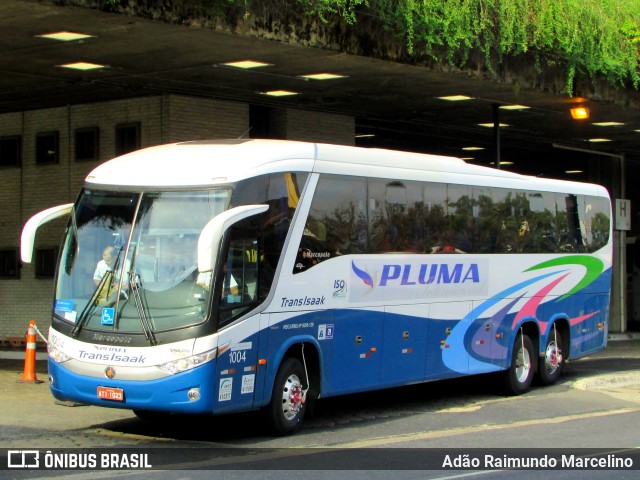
(518, 377)
(287, 408)
(551, 364)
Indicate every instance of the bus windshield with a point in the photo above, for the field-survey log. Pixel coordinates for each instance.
(129, 261)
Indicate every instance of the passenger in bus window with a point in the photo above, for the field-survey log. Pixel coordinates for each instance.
(109, 263)
(105, 265)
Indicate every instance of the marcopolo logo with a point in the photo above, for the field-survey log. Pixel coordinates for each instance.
(387, 280)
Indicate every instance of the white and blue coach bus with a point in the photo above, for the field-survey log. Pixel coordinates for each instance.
(228, 276)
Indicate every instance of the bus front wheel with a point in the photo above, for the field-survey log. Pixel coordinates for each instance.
(287, 407)
(519, 375)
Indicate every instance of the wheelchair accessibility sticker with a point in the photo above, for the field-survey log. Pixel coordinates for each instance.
(325, 332)
(108, 314)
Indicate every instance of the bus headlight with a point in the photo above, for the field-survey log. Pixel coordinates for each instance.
(56, 355)
(187, 363)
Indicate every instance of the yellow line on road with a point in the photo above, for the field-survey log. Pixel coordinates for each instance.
(451, 432)
(404, 437)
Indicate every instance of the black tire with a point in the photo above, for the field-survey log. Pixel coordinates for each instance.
(551, 364)
(518, 377)
(286, 410)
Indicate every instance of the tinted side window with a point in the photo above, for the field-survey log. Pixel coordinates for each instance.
(435, 216)
(569, 235)
(595, 222)
(487, 222)
(239, 283)
(395, 216)
(282, 196)
(337, 221)
(448, 215)
(352, 215)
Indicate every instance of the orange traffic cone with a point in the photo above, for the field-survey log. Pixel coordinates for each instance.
(29, 375)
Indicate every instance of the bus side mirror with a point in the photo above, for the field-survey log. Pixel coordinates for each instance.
(29, 231)
(212, 233)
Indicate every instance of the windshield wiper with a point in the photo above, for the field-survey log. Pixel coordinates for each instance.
(92, 304)
(135, 286)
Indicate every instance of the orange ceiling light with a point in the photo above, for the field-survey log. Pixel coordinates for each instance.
(579, 113)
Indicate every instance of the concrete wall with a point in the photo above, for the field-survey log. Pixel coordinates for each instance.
(29, 188)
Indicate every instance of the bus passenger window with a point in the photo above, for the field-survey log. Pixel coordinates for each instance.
(395, 216)
(336, 224)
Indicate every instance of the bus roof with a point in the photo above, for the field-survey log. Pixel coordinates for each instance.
(215, 162)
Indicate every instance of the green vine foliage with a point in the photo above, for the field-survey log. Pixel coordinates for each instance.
(593, 38)
(344, 8)
(590, 37)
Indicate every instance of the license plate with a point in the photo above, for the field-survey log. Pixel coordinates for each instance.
(110, 393)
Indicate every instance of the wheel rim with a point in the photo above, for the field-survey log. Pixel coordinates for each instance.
(291, 397)
(523, 365)
(551, 358)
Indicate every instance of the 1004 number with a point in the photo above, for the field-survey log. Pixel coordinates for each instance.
(237, 357)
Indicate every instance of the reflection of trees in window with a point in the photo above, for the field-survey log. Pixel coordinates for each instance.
(594, 222)
(574, 236)
(487, 221)
(460, 219)
(415, 224)
(540, 235)
(347, 226)
(337, 222)
(566, 240)
(517, 225)
(394, 214)
(435, 218)
(469, 219)
(599, 231)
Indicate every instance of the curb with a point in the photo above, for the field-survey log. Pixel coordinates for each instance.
(613, 337)
(608, 381)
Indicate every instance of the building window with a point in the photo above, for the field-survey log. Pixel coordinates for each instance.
(9, 266)
(87, 144)
(46, 262)
(266, 122)
(10, 151)
(127, 138)
(47, 148)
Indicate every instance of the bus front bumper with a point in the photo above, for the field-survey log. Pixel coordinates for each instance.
(187, 392)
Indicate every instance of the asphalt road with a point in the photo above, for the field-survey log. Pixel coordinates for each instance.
(595, 405)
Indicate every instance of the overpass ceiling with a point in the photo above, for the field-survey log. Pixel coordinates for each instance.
(399, 103)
